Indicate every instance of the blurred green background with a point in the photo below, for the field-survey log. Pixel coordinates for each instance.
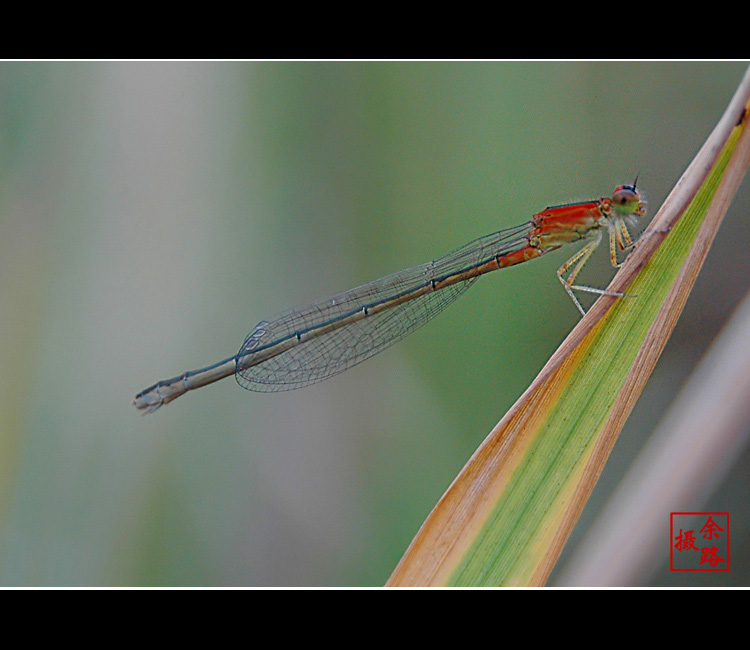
(152, 213)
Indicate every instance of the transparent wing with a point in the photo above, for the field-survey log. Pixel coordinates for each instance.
(310, 360)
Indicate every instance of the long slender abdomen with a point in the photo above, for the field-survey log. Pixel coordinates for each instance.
(524, 254)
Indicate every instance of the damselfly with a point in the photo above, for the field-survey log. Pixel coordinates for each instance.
(304, 346)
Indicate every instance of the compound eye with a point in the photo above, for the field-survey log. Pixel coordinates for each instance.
(624, 195)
